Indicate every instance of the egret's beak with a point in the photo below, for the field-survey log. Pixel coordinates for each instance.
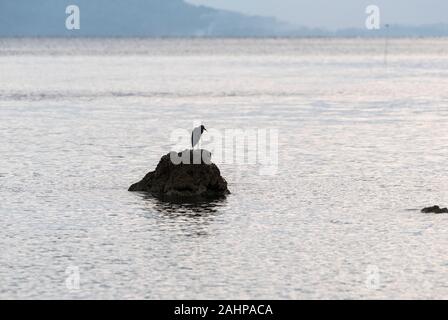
(205, 129)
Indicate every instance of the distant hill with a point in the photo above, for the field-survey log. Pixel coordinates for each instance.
(165, 18)
(156, 18)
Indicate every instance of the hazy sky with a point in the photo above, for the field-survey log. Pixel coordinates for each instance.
(336, 14)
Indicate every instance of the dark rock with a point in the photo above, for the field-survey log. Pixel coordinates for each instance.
(435, 209)
(189, 174)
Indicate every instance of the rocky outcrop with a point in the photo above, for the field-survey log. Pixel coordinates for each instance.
(185, 175)
(434, 209)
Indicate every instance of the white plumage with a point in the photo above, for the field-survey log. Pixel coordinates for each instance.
(196, 135)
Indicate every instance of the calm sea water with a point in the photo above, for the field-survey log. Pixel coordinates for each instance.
(363, 142)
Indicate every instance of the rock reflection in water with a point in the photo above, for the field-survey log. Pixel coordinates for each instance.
(192, 218)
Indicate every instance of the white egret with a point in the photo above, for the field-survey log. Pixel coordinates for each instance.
(196, 135)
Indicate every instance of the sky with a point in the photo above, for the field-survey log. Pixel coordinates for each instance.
(337, 14)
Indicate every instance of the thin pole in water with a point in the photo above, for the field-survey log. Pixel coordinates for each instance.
(386, 45)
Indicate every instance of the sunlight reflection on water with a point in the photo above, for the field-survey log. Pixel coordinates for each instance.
(361, 149)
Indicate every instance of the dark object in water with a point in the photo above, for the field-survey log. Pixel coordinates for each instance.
(434, 209)
(185, 175)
